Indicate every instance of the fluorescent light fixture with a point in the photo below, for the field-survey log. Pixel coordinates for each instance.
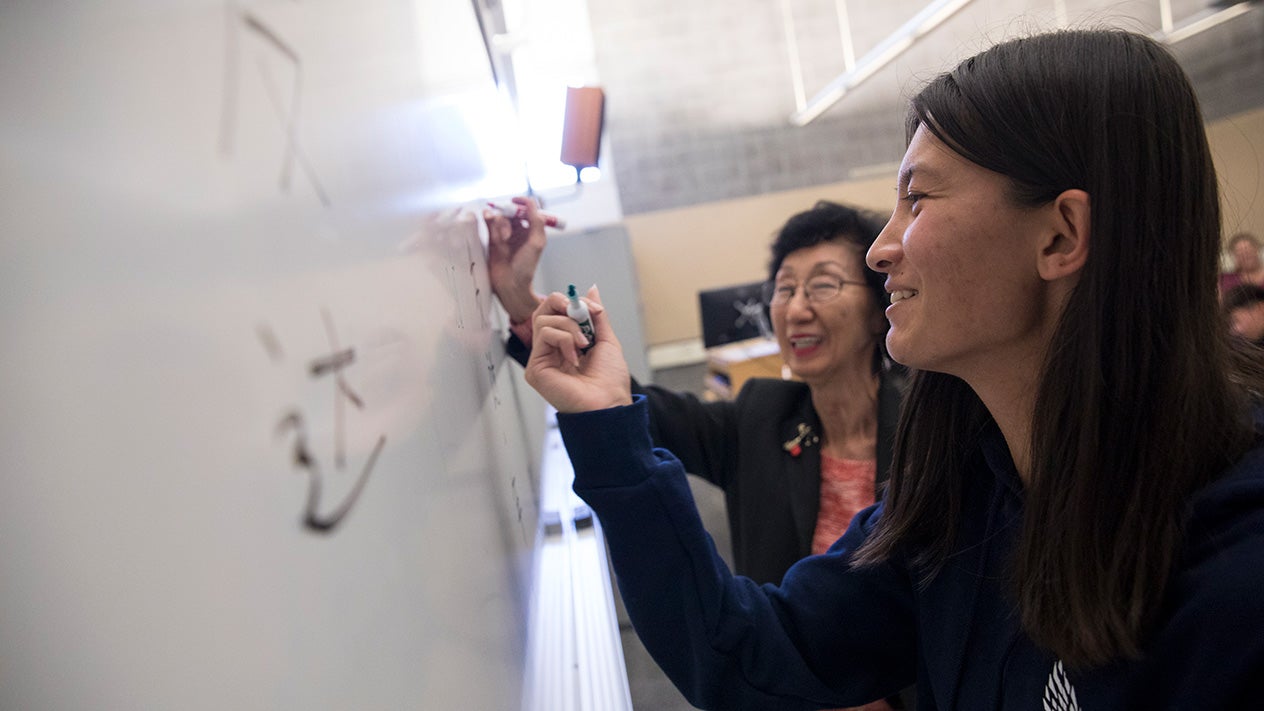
(792, 49)
(1201, 22)
(888, 49)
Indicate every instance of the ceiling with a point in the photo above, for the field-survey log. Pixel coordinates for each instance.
(700, 94)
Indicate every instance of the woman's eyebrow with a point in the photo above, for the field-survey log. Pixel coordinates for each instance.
(787, 271)
(915, 169)
(905, 177)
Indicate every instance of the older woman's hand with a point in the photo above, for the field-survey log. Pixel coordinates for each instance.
(514, 246)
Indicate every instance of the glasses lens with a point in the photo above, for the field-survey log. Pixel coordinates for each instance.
(822, 290)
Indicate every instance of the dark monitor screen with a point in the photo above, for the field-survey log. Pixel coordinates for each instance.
(733, 313)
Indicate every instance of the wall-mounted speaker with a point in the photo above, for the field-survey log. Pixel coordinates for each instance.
(581, 134)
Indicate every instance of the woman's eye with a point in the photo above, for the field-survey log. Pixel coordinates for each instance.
(780, 295)
(824, 287)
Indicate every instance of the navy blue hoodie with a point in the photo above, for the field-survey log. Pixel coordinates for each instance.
(831, 636)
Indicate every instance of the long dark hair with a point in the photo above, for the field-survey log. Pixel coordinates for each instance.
(1142, 399)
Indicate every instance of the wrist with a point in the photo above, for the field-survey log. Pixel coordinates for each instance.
(521, 309)
(523, 332)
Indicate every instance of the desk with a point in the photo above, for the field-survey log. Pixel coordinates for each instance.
(729, 366)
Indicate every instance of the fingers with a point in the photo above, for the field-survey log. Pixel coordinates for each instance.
(559, 341)
(502, 227)
(552, 314)
(498, 227)
(533, 222)
(593, 299)
(529, 207)
(527, 218)
(572, 378)
(525, 226)
(555, 332)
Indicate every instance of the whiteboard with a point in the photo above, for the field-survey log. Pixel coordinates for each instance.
(235, 269)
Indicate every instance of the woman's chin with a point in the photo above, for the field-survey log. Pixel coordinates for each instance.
(899, 351)
(810, 373)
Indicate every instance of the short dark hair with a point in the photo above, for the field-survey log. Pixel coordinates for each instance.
(1242, 295)
(831, 222)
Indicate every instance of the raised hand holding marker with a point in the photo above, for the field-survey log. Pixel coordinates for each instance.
(518, 212)
(578, 311)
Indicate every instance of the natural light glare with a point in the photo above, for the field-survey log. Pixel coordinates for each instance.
(543, 68)
(513, 141)
(476, 151)
(542, 110)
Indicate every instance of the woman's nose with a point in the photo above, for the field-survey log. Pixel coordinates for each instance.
(799, 307)
(884, 251)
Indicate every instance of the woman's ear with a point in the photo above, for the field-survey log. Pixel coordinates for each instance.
(1065, 251)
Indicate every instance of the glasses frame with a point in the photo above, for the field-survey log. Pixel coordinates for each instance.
(769, 290)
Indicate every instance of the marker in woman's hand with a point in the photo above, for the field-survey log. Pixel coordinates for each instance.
(578, 311)
(515, 211)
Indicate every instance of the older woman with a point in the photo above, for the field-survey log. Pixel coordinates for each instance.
(796, 460)
(1075, 516)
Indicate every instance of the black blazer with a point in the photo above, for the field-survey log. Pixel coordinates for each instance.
(745, 447)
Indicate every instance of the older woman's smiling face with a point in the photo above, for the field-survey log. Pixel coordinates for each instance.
(821, 340)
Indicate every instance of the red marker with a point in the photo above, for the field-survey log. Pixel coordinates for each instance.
(519, 212)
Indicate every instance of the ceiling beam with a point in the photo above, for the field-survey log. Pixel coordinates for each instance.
(1199, 22)
(888, 49)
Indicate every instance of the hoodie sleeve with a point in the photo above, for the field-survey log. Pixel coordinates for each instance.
(830, 636)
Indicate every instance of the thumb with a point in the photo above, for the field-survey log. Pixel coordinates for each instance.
(602, 327)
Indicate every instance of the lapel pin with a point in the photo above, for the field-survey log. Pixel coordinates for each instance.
(804, 438)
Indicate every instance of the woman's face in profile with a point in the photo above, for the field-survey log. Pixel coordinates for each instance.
(827, 326)
(960, 259)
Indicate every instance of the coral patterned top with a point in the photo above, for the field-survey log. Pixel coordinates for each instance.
(846, 488)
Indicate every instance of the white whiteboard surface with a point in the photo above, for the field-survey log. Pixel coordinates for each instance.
(212, 214)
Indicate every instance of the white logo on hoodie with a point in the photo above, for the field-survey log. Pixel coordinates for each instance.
(1059, 693)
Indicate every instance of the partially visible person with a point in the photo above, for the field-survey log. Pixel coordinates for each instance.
(1244, 306)
(796, 459)
(1075, 514)
(1248, 268)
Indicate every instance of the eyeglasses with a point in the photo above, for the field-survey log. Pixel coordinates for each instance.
(818, 289)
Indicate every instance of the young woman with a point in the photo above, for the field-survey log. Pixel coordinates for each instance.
(1075, 516)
